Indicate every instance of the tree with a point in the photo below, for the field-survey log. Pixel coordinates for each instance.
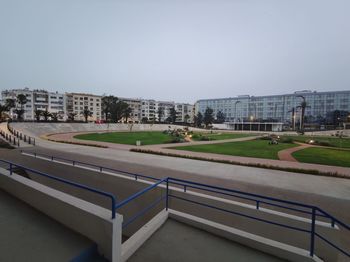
(46, 114)
(3, 109)
(303, 105)
(118, 110)
(71, 116)
(187, 117)
(160, 113)
(220, 117)
(10, 103)
(108, 102)
(144, 120)
(21, 100)
(208, 117)
(172, 113)
(127, 113)
(86, 113)
(54, 117)
(38, 113)
(198, 119)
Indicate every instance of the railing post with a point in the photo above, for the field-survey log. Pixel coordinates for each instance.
(100, 168)
(10, 168)
(185, 188)
(167, 195)
(73, 162)
(51, 158)
(257, 204)
(29, 140)
(312, 240)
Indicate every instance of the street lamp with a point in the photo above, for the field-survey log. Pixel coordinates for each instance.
(236, 109)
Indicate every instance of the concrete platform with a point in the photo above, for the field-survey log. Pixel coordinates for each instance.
(28, 235)
(176, 241)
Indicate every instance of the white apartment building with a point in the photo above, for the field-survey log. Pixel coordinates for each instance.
(184, 113)
(77, 102)
(135, 105)
(36, 100)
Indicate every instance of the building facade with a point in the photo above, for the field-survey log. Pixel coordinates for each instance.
(42, 100)
(76, 103)
(278, 108)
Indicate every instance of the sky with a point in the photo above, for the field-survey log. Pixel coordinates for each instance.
(175, 50)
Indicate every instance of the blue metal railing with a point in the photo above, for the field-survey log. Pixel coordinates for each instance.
(65, 181)
(96, 167)
(313, 210)
(259, 200)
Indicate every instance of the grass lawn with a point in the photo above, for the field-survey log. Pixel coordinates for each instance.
(129, 138)
(219, 136)
(332, 141)
(324, 156)
(252, 148)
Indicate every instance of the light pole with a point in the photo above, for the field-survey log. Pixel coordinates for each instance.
(236, 109)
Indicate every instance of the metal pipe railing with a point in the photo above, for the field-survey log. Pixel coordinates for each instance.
(65, 181)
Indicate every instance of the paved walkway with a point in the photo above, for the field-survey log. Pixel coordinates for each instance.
(286, 154)
(28, 235)
(175, 242)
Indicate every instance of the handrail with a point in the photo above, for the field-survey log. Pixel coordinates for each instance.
(225, 191)
(66, 181)
(125, 201)
(99, 168)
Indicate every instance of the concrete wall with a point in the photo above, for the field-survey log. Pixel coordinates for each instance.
(85, 218)
(273, 232)
(37, 129)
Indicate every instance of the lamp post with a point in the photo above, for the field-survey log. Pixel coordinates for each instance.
(236, 109)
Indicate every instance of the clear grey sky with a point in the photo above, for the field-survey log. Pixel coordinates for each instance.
(178, 50)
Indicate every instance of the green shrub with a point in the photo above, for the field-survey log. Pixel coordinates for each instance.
(287, 140)
(204, 138)
(324, 143)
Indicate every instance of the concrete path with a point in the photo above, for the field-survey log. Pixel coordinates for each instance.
(286, 154)
(28, 235)
(176, 241)
(287, 159)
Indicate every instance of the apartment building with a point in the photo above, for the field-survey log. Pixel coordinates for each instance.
(184, 113)
(53, 102)
(135, 105)
(77, 102)
(277, 107)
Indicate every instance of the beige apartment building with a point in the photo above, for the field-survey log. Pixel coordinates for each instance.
(77, 102)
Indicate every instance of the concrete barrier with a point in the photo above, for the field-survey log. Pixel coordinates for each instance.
(83, 217)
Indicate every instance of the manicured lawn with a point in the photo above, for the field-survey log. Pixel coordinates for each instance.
(332, 141)
(324, 156)
(252, 148)
(219, 136)
(129, 138)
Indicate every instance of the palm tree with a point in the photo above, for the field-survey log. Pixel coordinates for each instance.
(173, 114)
(21, 100)
(54, 117)
(71, 116)
(303, 105)
(38, 113)
(3, 108)
(86, 113)
(46, 114)
(293, 116)
(187, 117)
(160, 114)
(127, 113)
